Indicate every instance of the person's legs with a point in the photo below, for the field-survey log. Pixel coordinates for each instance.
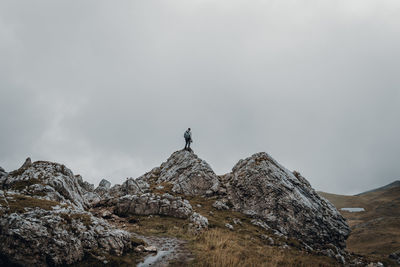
(186, 144)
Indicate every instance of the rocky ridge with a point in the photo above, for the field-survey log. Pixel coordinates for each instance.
(274, 198)
(44, 219)
(285, 201)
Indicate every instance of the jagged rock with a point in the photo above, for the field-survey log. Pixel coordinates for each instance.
(130, 187)
(188, 174)
(229, 226)
(340, 259)
(260, 187)
(219, 205)
(3, 176)
(53, 237)
(150, 204)
(200, 221)
(103, 188)
(260, 223)
(50, 181)
(104, 183)
(27, 163)
(395, 256)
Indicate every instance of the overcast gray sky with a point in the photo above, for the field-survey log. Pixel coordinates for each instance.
(108, 87)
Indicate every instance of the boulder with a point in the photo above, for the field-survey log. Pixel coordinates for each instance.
(103, 188)
(219, 205)
(188, 174)
(27, 163)
(60, 236)
(263, 189)
(130, 187)
(151, 204)
(51, 181)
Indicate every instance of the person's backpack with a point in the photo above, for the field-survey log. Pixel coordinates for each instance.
(187, 135)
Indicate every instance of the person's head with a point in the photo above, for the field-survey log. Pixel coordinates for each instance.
(188, 129)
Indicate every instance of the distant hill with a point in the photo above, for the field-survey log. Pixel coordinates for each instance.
(376, 230)
(391, 185)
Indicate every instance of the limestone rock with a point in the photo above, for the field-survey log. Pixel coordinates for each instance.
(3, 176)
(27, 163)
(395, 256)
(53, 237)
(151, 204)
(51, 181)
(130, 187)
(104, 183)
(219, 205)
(188, 174)
(229, 226)
(103, 188)
(260, 187)
(200, 221)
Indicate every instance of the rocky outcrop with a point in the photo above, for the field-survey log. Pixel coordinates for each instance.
(43, 219)
(51, 181)
(153, 204)
(3, 176)
(150, 204)
(188, 174)
(130, 187)
(103, 188)
(261, 188)
(62, 236)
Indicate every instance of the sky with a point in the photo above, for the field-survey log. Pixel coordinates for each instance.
(109, 87)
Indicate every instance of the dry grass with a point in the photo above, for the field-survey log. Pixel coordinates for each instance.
(20, 202)
(22, 184)
(219, 246)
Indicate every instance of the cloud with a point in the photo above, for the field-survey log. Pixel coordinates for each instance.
(108, 88)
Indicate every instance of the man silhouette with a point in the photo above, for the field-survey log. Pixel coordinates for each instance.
(188, 138)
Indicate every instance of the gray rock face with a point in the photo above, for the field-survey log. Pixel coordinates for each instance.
(43, 219)
(152, 204)
(103, 189)
(104, 183)
(188, 174)
(219, 205)
(260, 187)
(129, 187)
(53, 237)
(51, 181)
(3, 176)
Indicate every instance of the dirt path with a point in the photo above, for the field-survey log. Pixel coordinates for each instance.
(168, 249)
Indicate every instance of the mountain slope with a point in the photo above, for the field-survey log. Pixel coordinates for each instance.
(391, 185)
(376, 230)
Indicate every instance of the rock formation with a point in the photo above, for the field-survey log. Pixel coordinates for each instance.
(262, 188)
(188, 174)
(43, 219)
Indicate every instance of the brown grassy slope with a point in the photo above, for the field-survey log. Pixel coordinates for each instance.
(377, 230)
(218, 246)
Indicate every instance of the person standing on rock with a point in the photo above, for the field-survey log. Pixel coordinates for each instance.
(188, 138)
